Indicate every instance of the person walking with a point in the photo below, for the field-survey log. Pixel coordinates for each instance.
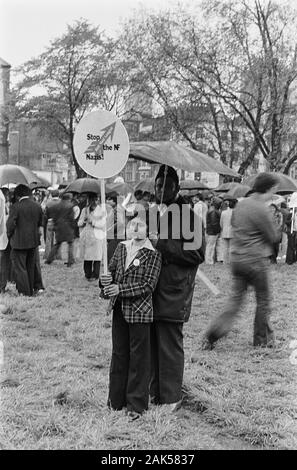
(64, 225)
(180, 242)
(213, 230)
(284, 242)
(278, 222)
(24, 229)
(226, 229)
(254, 234)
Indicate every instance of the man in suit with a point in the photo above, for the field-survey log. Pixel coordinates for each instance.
(180, 242)
(24, 229)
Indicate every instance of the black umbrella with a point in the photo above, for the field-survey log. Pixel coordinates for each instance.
(84, 185)
(286, 185)
(192, 184)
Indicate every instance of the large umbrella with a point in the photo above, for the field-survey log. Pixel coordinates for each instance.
(120, 188)
(192, 184)
(177, 155)
(44, 183)
(225, 187)
(17, 174)
(84, 185)
(146, 185)
(240, 190)
(286, 185)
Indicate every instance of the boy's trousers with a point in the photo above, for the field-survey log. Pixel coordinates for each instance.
(130, 364)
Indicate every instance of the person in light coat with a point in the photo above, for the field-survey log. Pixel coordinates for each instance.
(226, 229)
(4, 245)
(92, 221)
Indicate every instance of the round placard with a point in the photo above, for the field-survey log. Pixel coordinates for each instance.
(101, 144)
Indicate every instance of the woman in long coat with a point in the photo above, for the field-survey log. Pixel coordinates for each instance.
(92, 220)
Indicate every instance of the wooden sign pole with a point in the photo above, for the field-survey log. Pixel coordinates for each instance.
(103, 205)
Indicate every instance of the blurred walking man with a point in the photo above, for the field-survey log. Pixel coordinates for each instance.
(253, 236)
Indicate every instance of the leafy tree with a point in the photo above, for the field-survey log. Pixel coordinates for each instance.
(73, 76)
(236, 63)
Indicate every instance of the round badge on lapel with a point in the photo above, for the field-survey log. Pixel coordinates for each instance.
(136, 262)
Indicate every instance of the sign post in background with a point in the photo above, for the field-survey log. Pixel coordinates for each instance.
(101, 147)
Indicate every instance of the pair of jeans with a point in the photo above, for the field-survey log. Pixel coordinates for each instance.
(210, 252)
(245, 273)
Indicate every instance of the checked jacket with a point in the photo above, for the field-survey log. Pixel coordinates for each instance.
(136, 283)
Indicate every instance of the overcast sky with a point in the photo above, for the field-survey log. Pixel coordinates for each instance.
(28, 26)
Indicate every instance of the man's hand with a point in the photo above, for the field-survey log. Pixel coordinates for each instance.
(111, 290)
(106, 279)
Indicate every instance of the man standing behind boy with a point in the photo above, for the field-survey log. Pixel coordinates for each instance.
(180, 240)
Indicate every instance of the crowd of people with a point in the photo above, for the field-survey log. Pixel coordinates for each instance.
(155, 244)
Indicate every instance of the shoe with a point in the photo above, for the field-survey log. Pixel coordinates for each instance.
(207, 345)
(133, 415)
(172, 407)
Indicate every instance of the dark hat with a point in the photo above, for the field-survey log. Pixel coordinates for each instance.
(171, 173)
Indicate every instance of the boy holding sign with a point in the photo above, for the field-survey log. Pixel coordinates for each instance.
(133, 274)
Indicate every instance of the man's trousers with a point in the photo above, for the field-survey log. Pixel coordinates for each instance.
(167, 354)
(23, 263)
(254, 273)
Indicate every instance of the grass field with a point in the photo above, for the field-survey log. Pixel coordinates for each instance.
(55, 373)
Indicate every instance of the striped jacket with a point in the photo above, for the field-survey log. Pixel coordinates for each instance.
(136, 284)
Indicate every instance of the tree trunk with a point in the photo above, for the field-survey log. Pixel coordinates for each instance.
(289, 163)
(249, 160)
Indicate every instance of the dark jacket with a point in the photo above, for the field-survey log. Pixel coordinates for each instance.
(24, 219)
(64, 223)
(213, 217)
(172, 298)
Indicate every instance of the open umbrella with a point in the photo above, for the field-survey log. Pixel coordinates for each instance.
(177, 155)
(240, 190)
(225, 187)
(192, 184)
(120, 188)
(43, 183)
(17, 174)
(84, 185)
(286, 185)
(146, 185)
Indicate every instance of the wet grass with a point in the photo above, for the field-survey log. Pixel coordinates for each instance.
(54, 379)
